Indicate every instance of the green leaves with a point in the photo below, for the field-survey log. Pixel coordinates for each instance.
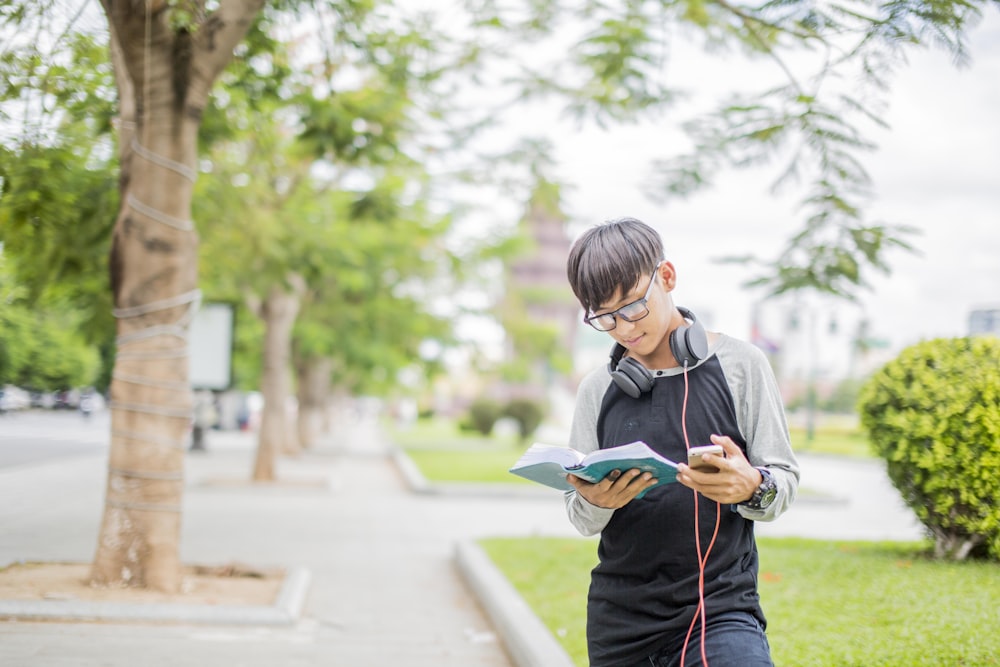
(336, 202)
(42, 350)
(836, 246)
(356, 125)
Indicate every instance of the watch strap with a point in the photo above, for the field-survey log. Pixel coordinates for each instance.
(764, 494)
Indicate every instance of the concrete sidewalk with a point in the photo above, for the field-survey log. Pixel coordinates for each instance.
(384, 586)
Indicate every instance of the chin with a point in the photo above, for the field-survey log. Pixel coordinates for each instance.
(646, 346)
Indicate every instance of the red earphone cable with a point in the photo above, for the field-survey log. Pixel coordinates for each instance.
(699, 611)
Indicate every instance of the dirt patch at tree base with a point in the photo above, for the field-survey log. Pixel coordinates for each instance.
(208, 585)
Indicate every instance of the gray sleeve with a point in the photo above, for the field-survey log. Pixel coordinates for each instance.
(587, 518)
(761, 417)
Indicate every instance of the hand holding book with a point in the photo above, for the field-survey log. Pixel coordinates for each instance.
(549, 465)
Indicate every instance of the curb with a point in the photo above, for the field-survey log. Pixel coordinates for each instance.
(528, 641)
(414, 479)
(285, 611)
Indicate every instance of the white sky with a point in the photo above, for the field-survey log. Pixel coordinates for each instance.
(936, 169)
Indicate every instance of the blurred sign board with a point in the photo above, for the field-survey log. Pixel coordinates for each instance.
(210, 343)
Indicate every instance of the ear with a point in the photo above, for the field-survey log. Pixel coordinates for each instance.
(668, 274)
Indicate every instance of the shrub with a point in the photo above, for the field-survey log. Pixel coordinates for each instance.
(527, 413)
(483, 414)
(933, 414)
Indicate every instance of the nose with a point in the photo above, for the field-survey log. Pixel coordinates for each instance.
(623, 327)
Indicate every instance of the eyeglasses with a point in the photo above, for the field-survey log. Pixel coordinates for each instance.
(630, 312)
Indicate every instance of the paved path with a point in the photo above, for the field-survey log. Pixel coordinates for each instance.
(384, 587)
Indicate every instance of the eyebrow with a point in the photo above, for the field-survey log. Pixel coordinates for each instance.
(624, 301)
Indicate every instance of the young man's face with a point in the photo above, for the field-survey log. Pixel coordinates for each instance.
(647, 306)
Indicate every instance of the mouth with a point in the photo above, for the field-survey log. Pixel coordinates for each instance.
(632, 342)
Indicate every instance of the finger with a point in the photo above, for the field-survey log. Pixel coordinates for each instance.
(689, 476)
(697, 479)
(684, 475)
(728, 445)
(635, 481)
(630, 477)
(723, 440)
(579, 483)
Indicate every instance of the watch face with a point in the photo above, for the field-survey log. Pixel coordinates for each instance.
(768, 496)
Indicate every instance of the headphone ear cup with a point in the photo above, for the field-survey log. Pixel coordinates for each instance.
(632, 377)
(678, 345)
(697, 340)
(689, 343)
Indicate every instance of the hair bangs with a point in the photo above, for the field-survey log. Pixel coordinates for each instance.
(609, 260)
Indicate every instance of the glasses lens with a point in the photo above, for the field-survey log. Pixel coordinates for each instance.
(634, 311)
(603, 322)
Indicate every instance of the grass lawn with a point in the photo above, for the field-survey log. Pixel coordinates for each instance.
(443, 453)
(829, 604)
(832, 438)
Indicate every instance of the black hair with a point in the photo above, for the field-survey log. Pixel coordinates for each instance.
(610, 259)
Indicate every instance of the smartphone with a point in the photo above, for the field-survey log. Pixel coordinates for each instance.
(695, 454)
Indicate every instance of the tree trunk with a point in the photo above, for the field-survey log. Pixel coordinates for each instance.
(278, 311)
(313, 391)
(163, 82)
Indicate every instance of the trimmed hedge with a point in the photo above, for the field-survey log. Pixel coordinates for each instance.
(933, 414)
(482, 416)
(527, 413)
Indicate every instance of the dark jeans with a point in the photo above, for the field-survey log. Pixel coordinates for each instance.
(733, 639)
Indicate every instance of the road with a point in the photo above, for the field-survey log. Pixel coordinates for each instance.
(35, 436)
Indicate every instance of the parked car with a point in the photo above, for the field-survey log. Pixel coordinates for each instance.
(13, 399)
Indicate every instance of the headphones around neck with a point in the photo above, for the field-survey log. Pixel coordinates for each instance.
(688, 344)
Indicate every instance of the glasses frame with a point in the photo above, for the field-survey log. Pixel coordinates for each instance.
(617, 313)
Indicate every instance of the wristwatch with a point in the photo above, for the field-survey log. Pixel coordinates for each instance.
(764, 494)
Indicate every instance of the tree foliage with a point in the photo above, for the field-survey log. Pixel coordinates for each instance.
(58, 195)
(340, 201)
(44, 352)
(41, 350)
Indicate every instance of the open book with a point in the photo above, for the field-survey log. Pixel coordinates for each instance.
(548, 464)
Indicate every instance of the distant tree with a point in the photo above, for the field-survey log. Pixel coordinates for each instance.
(334, 228)
(371, 309)
(58, 194)
(44, 353)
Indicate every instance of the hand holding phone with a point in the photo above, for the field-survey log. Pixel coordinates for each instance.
(695, 454)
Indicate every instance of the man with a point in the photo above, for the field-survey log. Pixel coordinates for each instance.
(677, 571)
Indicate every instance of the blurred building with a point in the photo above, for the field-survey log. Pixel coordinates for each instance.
(984, 321)
(538, 304)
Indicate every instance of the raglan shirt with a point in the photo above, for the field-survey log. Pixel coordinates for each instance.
(644, 590)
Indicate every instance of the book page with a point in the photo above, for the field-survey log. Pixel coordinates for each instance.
(631, 451)
(539, 453)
